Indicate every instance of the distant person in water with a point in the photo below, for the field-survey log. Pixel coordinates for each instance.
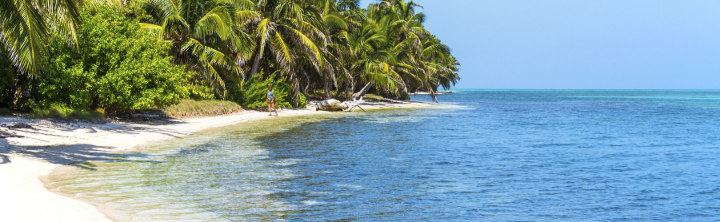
(271, 101)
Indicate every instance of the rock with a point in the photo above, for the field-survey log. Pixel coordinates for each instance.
(21, 125)
(329, 105)
(4, 134)
(145, 116)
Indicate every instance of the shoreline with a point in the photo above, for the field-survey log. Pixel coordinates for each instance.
(25, 161)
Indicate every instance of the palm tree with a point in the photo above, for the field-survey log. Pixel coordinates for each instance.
(24, 30)
(205, 35)
(25, 26)
(396, 22)
(294, 39)
(418, 57)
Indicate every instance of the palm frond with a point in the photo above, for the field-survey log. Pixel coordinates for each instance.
(309, 44)
(23, 33)
(335, 21)
(282, 52)
(217, 21)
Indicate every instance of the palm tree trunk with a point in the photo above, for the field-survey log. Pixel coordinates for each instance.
(255, 64)
(307, 85)
(434, 97)
(338, 92)
(327, 88)
(22, 92)
(404, 95)
(362, 92)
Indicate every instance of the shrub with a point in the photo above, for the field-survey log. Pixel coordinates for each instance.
(195, 108)
(7, 79)
(61, 111)
(156, 83)
(71, 86)
(5, 112)
(370, 96)
(116, 67)
(254, 94)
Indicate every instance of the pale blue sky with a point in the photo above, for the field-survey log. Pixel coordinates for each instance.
(606, 44)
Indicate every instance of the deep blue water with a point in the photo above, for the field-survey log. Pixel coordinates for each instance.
(494, 155)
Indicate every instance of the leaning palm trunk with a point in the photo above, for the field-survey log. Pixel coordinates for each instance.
(362, 92)
(255, 65)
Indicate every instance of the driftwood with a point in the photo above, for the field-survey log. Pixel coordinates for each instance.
(348, 106)
(336, 105)
(329, 105)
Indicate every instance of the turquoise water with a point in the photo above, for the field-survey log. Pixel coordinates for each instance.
(495, 155)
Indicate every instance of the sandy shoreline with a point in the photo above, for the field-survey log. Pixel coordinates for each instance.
(50, 144)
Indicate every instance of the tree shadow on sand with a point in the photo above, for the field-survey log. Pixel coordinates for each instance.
(79, 155)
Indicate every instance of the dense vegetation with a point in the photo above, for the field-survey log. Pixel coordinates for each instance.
(129, 55)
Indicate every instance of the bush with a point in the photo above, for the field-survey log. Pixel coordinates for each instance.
(7, 79)
(60, 111)
(254, 94)
(115, 67)
(195, 108)
(5, 112)
(156, 83)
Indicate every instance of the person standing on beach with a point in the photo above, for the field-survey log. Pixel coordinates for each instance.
(271, 101)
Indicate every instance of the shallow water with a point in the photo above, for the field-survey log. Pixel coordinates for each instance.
(503, 155)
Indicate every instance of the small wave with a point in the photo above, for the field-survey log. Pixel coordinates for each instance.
(545, 145)
(192, 151)
(311, 202)
(351, 186)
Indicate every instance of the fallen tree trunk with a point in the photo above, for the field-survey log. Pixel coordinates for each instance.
(329, 105)
(362, 92)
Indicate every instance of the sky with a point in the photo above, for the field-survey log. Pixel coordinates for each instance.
(580, 44)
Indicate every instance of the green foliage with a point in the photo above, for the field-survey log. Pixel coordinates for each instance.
(114, 67)
(5, 112)
(65, 82)
(205, 35)
(254, 94)
(120, 64)
(7, 80)
(60, 111)
(196, 108)
(25, 26)
(370, 96)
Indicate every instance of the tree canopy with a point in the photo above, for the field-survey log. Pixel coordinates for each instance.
(318, 48)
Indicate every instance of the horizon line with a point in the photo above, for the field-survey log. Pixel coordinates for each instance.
(580, 89)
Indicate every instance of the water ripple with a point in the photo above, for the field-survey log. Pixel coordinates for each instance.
(497, 155)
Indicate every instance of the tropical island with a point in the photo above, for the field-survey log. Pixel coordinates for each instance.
(161, 110)
(79, 79)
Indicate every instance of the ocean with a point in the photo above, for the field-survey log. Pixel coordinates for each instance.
(480, 155)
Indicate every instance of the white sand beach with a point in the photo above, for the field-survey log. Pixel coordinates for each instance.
(35, 151)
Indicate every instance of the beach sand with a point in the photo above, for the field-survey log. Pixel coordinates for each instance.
(26, 160)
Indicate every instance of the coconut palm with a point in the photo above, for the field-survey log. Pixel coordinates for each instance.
(25, 27)
(372, 63)
(205, 35)
(291, 32)
(282, 27)
(419, 58)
